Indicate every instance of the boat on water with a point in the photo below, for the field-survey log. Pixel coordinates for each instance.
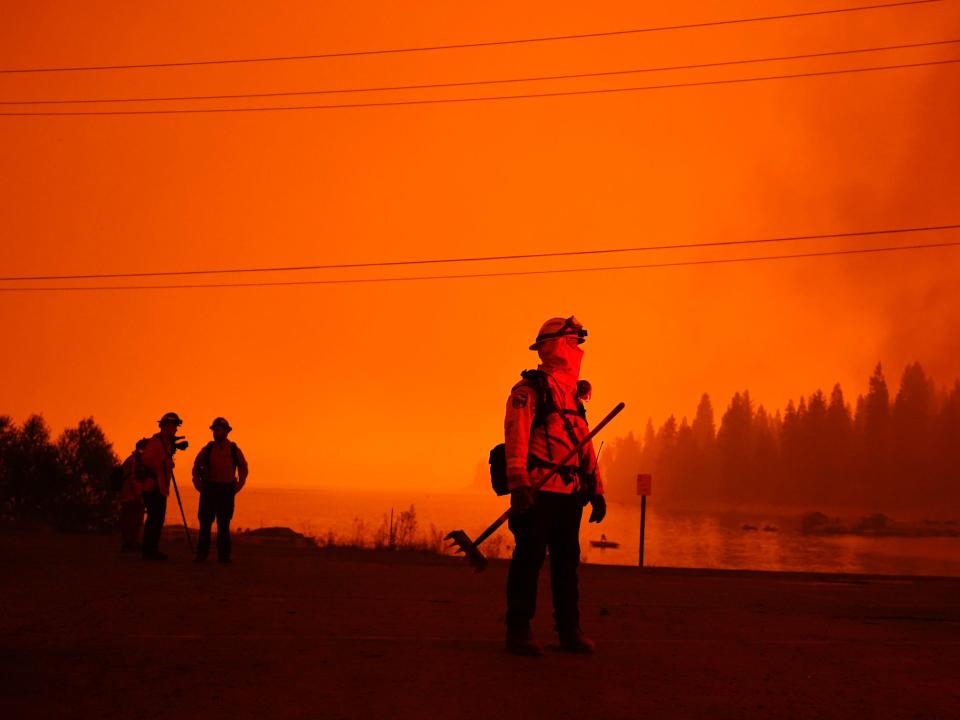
(604, 543)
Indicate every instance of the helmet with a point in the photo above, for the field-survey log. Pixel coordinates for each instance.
(220, 422)
(558, 327)
(170, 417)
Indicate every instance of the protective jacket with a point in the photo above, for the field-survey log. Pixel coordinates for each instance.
(157, 463)
(534, 443)
(219, 463)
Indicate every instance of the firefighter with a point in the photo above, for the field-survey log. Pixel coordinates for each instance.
(157, 461)
(545, 419)
(131, 500)
(219, 473)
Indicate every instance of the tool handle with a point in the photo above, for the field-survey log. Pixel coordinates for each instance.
(575, 451)
(553, 471)
(186, 530)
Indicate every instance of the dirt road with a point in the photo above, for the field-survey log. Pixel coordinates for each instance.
(287, 631)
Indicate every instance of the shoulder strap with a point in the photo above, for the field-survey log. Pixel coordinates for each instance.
(537, 379)
(567, 425)
(233, 454)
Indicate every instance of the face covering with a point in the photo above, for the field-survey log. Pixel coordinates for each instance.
(561, 359)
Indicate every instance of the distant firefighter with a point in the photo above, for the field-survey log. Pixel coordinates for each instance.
(157, 461)
(545, 420)
(219, 473)
(131, 499)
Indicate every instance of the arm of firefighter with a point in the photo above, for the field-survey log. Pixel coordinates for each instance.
(588, 459)
(519, 419)
(242, 470)
(197, 474)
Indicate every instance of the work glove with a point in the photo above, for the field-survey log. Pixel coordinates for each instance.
(521, 498)
(599, 511)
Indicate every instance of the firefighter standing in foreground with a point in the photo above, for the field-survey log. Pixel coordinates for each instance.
(545, 419)
(219, 473)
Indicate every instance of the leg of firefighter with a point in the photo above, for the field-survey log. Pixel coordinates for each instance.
(205, 514)
(530, 547)
(131, 522)
(564, 544)
(224, 515)
(156, 505)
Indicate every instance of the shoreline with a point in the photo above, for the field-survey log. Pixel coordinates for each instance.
(299, 542)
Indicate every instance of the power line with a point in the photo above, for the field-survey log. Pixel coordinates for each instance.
(445, 101)
(473, 83)
(483, 258)
(462, 46)
(512, 273)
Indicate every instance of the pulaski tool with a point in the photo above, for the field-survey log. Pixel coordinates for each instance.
(471, 548)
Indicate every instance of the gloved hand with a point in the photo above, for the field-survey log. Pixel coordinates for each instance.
(599, 511)
(521, 498)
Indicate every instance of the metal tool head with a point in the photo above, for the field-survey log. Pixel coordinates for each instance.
(460, 540)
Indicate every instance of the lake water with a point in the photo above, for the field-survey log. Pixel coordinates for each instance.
(675, 539)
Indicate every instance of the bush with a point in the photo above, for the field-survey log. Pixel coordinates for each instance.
(66, 482)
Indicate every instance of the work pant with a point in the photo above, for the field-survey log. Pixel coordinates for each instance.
(156, 505)
(216, 502)
(552, 522)
(131, 521)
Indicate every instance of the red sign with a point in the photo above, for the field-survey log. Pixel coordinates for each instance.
(644, 484)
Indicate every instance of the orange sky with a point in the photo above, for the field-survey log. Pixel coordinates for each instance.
(403, 385)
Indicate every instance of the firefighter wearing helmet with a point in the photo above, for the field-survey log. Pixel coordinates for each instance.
(156, 458)
(545, 420)
(219, 473)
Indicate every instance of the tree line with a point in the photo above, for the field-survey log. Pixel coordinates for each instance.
(881, 452)
(64, 481)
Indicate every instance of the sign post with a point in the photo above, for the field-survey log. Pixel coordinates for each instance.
(644, 488)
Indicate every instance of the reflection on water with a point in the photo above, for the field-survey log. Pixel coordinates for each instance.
(675, 539)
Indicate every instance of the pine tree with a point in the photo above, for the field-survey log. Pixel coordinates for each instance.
(839, 460)
(912, 418)
(873, 463)
(736, 448)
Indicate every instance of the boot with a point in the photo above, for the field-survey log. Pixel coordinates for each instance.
(574, 641)
(520, 641)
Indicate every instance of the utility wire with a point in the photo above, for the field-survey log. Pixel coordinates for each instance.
(474, 83)
(481, 258)
(445, 101)
(461, 46)
(513, 273)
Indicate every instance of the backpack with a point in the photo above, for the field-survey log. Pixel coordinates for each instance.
(205, 454)
(119, 472)
(537, 379)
